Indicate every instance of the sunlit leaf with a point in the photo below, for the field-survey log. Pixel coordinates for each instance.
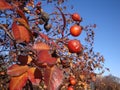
(4, 5)
(34, 75)
(53, 78)
(17, 83)
(45, 57)
(23, 22)
(24, 59)
(17, 70)
(40, 46)
(21, 34)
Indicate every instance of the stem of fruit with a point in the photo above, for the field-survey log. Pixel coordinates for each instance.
(64, 21)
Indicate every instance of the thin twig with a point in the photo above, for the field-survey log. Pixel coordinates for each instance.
(6, 31)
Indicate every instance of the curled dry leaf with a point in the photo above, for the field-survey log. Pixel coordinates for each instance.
(17, 70)
(4, 5)
(34, 75)
(53, 78)
(17, 83)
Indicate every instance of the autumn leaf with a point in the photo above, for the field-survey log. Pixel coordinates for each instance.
(34, 75)
(21, 34)
(4, 5)
(45, 57)
(24, 59)
(23, 22)
(16, 31)
(22, 15)
(53, 78)
(17, 70)
(17, 83)
(41, 46)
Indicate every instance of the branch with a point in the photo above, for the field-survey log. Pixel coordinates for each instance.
(6, 31)
(64, 21)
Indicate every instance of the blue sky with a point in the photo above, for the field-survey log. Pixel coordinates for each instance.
(106, 14)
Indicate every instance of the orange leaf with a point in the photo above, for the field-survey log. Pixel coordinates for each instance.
(24, 59)
(22, 15)
(17, 83)
(23, 22)
(4, 5)
(34, 75)
(16, 31)
(20, 33)
(17, 70)
(53, 78)
(40, 46)
(45, 57)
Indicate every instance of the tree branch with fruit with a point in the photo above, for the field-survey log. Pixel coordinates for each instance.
(42, 51)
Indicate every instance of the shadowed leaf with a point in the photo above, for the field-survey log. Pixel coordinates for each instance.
(34, 75)
(24, 59)
(17, 70)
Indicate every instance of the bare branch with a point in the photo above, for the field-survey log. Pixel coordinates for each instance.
(6, 31)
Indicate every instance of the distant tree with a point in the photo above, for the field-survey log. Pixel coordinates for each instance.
(39, 49)
(109, 82)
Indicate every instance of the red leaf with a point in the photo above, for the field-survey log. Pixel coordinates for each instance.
(4, 5)
(24, 59)
(17, 83)
(20, 33)
(21, 13)
(34, 75)
(53, 78)
(45, 57)
(40, 46)
(17, 70)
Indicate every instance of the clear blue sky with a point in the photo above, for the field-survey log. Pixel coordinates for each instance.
(106, 14)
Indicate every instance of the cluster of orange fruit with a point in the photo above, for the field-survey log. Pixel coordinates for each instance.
(74, 45)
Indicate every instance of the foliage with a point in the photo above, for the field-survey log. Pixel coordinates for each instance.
(34, 47)
(109, 82)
